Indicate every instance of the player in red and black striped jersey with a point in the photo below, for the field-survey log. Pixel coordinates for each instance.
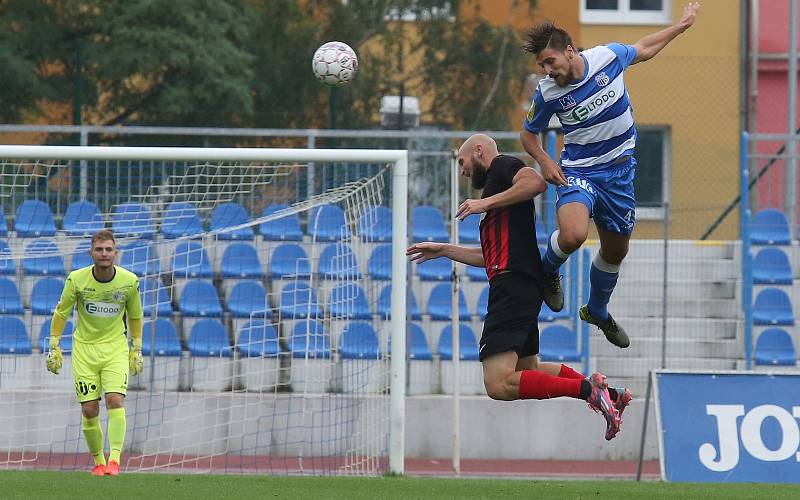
(510, 340)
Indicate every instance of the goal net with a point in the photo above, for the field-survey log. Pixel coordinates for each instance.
(272, 305)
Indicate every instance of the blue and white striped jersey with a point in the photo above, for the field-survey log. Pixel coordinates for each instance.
(595, 112)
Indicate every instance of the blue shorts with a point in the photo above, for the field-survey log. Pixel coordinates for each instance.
(607, 193)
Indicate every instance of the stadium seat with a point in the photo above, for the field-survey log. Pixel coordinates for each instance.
(416, 344)
(43, 258)
(7, 265)
(440, 303)
(421, 374)
(227, 215)
(469, 230)
(190, 260)
(771, 267)
(248, 298)
(14, 336)
(299, 300)
(775, 347)
(770, 227)
(379, 266)
(258, 339)
(375, 224)
(326, 223)
(359, 341)
(558, 343)
(45, 295)
(154, 295)
(3, 223)
(546, 314)
(772, 307)
(240, 260)
(348, 301)
(338, 261)
(200, 299)
(477, 273)
(468, 346)
(542, 236)
(180, 219)
(309, 339)
(132, 220)
(385, 304)
(160, 338)
(140, 258)
(428, 224)
(483, 303)
(10, 301)
(80, 256)
(283, 229)
(208, 338)
(66, 337)
(435, 270)
(289, 260)
(34, 219)
(82, 218)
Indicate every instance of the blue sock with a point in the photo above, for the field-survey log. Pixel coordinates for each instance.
(603, 278)
(554, 256)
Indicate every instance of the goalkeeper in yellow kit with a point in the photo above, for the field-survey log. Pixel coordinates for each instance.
(104, 294)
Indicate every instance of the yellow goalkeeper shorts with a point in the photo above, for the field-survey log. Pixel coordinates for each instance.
(96, 366)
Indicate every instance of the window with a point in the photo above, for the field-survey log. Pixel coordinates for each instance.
(626, 11)
(413, 11)
(651, 182)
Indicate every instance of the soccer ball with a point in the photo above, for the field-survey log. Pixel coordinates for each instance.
(334, 63)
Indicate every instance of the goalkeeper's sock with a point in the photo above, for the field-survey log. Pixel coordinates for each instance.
(116, 432)
(93, 433)
(554, 257)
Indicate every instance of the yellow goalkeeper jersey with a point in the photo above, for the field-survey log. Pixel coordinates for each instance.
(101, 305)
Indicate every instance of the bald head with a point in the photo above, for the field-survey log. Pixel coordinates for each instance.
(475, 156)
(484, 141)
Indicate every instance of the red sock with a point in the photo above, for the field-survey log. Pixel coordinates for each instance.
(539, 385)
(567, 372)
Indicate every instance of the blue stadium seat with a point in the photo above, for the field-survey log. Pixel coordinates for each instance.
(326, 223)
(132, 220)
(440, 303)
(34, 219)
(45, 295)
(771, 267)
(359, 341)
(546, 314)
(199, 299)
(190, 260)
(289, 260)
(240, 260)
(385, 304)
(542, 236)
(338, 261)
(299, 300)
(181, 219)
(775, 347)
(483, 303)
(248, 298)
(770, 227)
(258, 339)
(379, 266)
(230, 215)
(469, 230)
(477, 273)
(14, 336)
(160, 338)
(348, 301)
(283, 229)
(468, 346)
(82, 218)
(558, 343)
(80, 256)
(428, 224)
(309, 340)
(416, 344)
(7, 265)
(154, 295)
(66, 337)
(375, 224)
(10, 301)
(43, 258)
(772, 307)
(3, 223)
(435, 270)
(208, 339)
(141, 258)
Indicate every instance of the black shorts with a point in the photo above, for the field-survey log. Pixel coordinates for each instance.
(512, 319)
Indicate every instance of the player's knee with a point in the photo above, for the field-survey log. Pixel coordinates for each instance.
(90, 409)
(570, 239)
(499, 390)
(114, 401)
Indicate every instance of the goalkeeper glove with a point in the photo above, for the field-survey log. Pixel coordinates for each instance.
(135, 361)
(54, 359)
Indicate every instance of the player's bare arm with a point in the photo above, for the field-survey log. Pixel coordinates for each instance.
(649, 46)
(526, 185)
(427, 250)
(550, 170)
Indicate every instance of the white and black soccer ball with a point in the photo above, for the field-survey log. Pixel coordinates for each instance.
(334, 63)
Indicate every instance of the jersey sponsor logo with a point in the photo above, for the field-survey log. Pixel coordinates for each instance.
(581, 113)
(581, 183)
(103, 309)
(567, 102)
(602, 79)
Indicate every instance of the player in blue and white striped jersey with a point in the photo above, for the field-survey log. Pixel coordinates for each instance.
(594, 175)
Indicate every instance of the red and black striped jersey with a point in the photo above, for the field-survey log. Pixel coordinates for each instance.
(508, 234)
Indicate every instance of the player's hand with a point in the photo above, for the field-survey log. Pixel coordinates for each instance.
(54, 359)
(552, 173)
(135, 361)
(427, 250)
(689, 15)
(470, 207)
